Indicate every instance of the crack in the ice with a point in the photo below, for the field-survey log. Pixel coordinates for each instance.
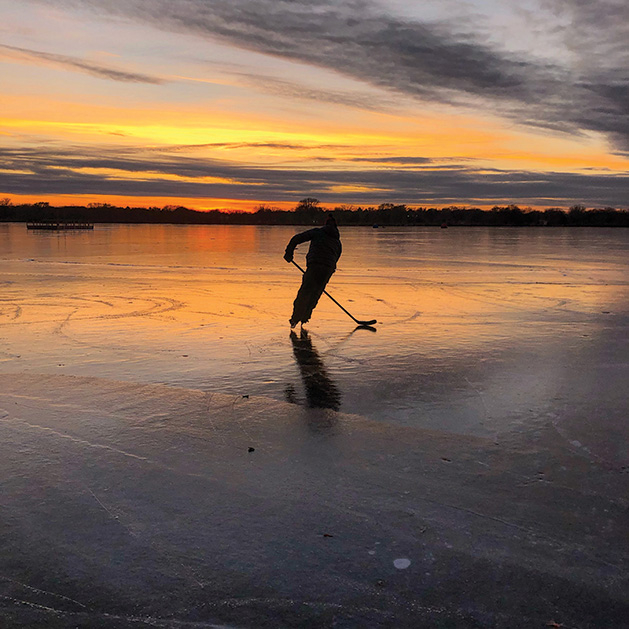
(482, 398)
(59, 405)
(153, 544)
(270, 603)
(112, 515)
(34, 589)
(148, 620)
(78, 440)
(34, 605)
(531, 532)
(209, 397)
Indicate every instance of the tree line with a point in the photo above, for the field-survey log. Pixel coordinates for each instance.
(309, 211)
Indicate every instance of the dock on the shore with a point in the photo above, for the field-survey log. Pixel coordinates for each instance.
(59, 225)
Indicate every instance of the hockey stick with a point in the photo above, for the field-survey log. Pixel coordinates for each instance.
(370, 322)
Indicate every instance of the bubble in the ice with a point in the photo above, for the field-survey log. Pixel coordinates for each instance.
(402, 563)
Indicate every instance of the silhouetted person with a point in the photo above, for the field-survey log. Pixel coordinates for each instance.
(321, 392)
(323, 254)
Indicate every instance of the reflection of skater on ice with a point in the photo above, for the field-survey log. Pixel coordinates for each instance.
(323, 254)
(321, 392)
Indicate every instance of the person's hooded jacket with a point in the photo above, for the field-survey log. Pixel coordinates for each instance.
(325, 245)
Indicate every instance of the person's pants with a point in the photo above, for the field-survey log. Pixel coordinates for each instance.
(313, 283)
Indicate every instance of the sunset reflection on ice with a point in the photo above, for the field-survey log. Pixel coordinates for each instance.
(478, 330)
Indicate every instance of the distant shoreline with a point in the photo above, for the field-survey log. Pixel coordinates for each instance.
(385, 215)
(251, 224)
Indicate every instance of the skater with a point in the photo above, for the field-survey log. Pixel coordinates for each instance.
(325, 250)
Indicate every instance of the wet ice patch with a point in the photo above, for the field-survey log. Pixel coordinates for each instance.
(402, 563)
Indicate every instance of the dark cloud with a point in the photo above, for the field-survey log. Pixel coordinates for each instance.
(71, 171)
(586, 20)
(287, 146)
(75, 63)
(596, 35)
(293, 90)
(432, 61)
(398, 160)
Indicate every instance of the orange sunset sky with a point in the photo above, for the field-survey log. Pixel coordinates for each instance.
(232, 104)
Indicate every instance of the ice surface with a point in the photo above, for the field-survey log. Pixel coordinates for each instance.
(132, 503)
(482, 432)
(481, 330)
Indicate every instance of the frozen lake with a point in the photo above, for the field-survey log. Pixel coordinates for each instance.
(475, 474)
(481, 331)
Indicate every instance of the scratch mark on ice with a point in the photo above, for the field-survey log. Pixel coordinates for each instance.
(34, 605)
(112, 515)
(65, 322)
(482, 399)
(166, 623)
(34, 589)
(209, 397)
(78, 440)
